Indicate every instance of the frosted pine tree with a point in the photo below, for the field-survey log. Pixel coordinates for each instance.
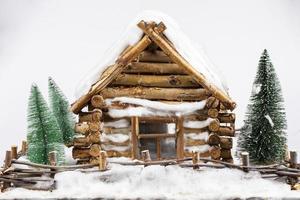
(61, 109)
(43, 133)
(264, 132)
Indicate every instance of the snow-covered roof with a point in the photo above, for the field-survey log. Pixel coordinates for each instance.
(194, 55)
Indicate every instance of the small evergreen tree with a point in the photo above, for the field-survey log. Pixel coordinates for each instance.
(264, 131)
(43, 133)
(61, 109)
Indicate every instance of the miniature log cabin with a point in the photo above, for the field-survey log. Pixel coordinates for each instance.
(153, 99)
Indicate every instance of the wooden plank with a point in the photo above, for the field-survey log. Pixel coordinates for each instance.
(155, 135)
(165, 81)
(134, 137)
(154, 68)
(180, 138)
(158, 149)
(177, 58)
(190, 142)
(176, 94)
(160, 119)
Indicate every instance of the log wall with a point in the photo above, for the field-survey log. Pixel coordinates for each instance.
(155, 77)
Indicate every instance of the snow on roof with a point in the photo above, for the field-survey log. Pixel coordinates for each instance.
(186, 48)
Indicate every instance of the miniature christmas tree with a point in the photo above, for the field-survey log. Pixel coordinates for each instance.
(61, 109)
(263, 134)
(43, 134)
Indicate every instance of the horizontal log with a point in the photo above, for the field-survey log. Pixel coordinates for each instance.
(196, 117)
(213, 139)
(212, 102)
(156, 93)
(164, 81)
(226, 153)
(226, 143)
(86, 128)
(112, 130)
(157, 56)
(97, 101)
(226, 131)
(168, 119)
(214, 125)
(155, 135)
(86, 141)
(118, 153)
(215, 152)
(80, 153)
(226, 117)
(190, 142)
(91, 116)
(210, 112)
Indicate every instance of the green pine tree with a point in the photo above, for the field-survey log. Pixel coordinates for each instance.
(61, 109)
(264, 131)
(43, 133)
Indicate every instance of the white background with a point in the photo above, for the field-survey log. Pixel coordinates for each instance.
(64, 39)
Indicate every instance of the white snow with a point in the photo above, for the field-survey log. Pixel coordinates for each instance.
(158, 182)
(114, 137)
(152, 108)
(192, 53)
(122, 123)
(256, 88)
(270, 120)
(200, 148)
(197, 136)
(156, 105)
(135, 111)
(197, 124)
(108, 147)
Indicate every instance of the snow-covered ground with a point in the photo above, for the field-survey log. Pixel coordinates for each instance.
(171, 182)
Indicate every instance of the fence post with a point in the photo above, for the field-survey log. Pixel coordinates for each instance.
(146, 156)
(245, 161)
(195, 159)
(7, 162)
(24, 147)
(102, 161)
(53, 161)
(14, 152)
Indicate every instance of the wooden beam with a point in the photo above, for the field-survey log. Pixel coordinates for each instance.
(97, 101)
(154, 68)
(113, 72)
(155, 135)
(213, 139)
(226, 131)
(226, 143)
(158, 119)
(156, 93)
(165, 81)
(86, 128)
(134, 137)
(226, 117)
(91, 116)
(158, 149)
(180, 138)
(177, 58)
